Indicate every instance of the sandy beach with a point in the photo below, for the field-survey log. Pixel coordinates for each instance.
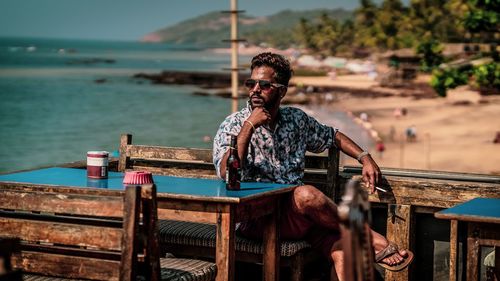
(453, 134)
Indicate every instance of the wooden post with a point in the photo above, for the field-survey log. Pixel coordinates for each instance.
(225, 228)
(453, 249)
(234, 54)
(126, 139)
(131, 212)
(402, 151)
(272, 254)
(332, 176)
(473, 251)
(400, 222)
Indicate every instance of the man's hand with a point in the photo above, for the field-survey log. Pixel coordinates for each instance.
(371, 172)
(259, 117)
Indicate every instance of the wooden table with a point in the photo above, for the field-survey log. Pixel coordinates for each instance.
(482, 216)
(185, 199)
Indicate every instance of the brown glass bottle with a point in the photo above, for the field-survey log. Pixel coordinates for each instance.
(233, 167)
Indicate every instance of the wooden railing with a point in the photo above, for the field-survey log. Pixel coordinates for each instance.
(413, 192)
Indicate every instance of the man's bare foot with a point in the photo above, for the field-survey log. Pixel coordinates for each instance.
(388, 255)
(392, 258)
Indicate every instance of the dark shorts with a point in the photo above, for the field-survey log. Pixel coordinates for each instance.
(294, 226)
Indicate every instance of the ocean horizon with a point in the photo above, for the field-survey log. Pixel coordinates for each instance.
(61, 98)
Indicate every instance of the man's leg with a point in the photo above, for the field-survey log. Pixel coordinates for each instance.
(313, 204)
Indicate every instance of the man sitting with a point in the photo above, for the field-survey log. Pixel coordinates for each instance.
(272, 142)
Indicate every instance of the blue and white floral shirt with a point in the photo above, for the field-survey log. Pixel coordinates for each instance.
(275, 156)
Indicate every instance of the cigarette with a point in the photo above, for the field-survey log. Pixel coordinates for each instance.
(381, 189)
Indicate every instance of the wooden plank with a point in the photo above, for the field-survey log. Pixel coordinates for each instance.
(432, 193)
(177, 172)
(224, 247)
(473, 252)
(190, 216)
(333, 187)
(59, 189)
(62, 233)
(74, 204)
(497, 263)
(400, 230)
(255, 209)
(453, 249)
(173, 163)
(67, 266)
(348, 171)
(316, 161)
(174, 153)
(131, 217)
(271, 245)
(125, 140)
(151, 229)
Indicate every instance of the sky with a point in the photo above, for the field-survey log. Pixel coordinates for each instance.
(127, 19)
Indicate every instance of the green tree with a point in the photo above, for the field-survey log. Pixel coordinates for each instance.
(437, 19)
(483, 20)
(366, 32)
(432, 54)
(305, 33)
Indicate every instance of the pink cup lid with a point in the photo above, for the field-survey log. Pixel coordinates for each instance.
(137, 177)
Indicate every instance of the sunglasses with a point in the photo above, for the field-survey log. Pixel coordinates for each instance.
(263, 84)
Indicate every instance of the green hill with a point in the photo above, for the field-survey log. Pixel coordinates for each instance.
(210, 29)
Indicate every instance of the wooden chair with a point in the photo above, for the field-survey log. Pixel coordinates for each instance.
(8, 246)
(355, 217)
(67, 236)
(195, 239)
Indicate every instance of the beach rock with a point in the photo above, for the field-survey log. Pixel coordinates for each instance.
(203, 79)
(90, 61)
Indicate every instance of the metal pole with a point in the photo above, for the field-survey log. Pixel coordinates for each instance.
(234, 54)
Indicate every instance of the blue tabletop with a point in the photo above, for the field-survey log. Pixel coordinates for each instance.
(477, 208)
(165, 184)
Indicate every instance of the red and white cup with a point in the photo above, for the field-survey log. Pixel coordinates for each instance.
(97, 164)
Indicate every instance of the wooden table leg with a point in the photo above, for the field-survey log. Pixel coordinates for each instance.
(271, 254)
(473, 252)
(453, 249)
(225, 245)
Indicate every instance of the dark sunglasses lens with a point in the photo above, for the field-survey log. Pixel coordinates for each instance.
(250, 83)
(264, 84)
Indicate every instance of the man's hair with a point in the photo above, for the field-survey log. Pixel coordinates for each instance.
(281, 66)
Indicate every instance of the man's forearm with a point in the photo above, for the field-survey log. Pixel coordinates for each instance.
(346, 145)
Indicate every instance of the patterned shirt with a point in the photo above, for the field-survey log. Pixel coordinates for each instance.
(277, 156)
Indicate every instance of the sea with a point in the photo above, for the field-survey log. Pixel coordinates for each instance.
(60, 98)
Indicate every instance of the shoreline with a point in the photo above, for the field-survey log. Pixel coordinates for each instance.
(453, 134)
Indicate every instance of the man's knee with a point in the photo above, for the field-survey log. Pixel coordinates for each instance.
(307, 196)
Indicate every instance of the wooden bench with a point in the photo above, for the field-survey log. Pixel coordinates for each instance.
(80, 234)
(194, 239)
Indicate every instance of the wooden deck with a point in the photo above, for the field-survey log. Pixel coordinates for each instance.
(405, 214)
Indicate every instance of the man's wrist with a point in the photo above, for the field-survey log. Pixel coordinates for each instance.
(361, 155)
(251, 124)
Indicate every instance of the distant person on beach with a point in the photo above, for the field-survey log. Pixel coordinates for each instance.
(380, 147)
(392, 133)
(411, 133)
(397, 112)
(272, 142)
(400, 111)
(363, 116)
